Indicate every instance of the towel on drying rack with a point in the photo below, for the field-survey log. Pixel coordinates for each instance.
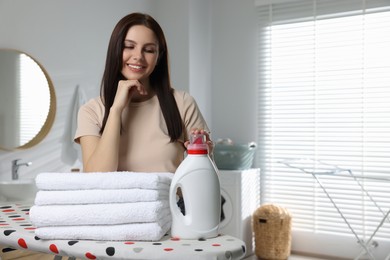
(99, 214)
(137, 231)
(103, 180)
(63, 197)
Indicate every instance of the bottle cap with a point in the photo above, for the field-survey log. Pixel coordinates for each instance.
(197, 144)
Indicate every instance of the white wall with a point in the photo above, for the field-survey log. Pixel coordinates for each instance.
(223, 66)
(200, 19)
(212, 54)
(234, 70)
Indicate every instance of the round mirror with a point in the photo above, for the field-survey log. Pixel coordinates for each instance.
(27, 101)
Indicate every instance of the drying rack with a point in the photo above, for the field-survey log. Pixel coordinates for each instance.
(317, 168)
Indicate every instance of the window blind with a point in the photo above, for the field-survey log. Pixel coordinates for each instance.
(324, 96)
(30, 74)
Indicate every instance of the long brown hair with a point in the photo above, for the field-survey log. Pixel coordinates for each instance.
(159, 79)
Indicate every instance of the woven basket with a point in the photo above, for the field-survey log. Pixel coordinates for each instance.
(272, 228)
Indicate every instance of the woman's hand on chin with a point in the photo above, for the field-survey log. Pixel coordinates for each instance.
(127, 89)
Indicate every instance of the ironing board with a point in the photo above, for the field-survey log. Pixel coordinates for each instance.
(16, 232)
(318, 168)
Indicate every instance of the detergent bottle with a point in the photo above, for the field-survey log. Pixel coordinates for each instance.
(197, 180)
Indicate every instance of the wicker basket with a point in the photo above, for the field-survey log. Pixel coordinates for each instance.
(272, 228)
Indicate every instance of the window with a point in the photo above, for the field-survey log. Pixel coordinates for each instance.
(324, 95)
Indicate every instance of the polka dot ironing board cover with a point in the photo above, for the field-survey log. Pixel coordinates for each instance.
(18, 233)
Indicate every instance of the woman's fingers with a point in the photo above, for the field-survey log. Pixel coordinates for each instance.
(126, 90)
(201, 131)
(132, 85)
(209, 142)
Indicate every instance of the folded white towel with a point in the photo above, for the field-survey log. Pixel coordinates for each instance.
(99, 214)
(137, 231)
(62, 197)
(103, 180)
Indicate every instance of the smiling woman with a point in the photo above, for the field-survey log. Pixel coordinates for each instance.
(27, 101)
(139, 122)
(140, 53)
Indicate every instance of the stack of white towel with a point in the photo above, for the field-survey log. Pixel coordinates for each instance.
(102, 206)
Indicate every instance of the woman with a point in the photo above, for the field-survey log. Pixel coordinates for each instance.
(139, 122)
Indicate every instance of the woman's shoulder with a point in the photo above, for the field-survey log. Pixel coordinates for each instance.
(94, 105)
(183, 97)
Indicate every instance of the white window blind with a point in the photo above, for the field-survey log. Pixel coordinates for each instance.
(31, 81)
(324, 95)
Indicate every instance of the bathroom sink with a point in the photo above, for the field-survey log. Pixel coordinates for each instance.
(18, 190)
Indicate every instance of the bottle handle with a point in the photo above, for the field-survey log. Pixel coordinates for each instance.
(172, 201)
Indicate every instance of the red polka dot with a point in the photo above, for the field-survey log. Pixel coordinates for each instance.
(216, 244)
(168, 249)
(8, 210)
(53, 248)
(90, 256)
(18, 219)
(22, 243)
(175, 239)
(30, 228)
(5, 224)
(129, 243)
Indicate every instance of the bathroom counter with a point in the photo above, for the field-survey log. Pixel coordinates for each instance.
(17, 232)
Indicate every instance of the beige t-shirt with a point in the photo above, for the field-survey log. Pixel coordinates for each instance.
(145, 144)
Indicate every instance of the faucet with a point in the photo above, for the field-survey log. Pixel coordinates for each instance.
(15, 168)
